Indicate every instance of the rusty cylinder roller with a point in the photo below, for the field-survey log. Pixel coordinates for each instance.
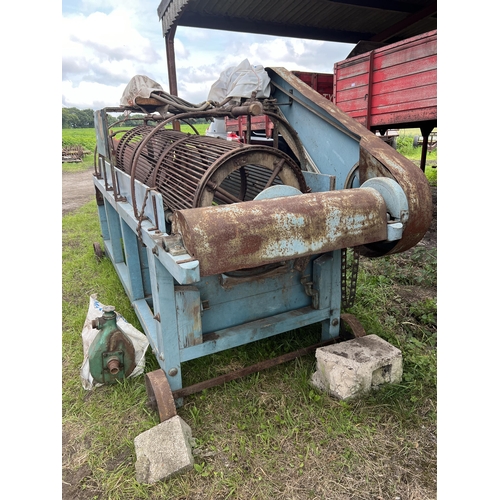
(192, 171)
(263, 232)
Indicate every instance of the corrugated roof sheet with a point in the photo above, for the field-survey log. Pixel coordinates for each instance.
(341, 21)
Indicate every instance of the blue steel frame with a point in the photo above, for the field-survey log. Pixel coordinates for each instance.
(185, 316)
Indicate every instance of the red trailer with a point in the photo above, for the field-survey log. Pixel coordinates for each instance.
(320, 82)
(390, 87)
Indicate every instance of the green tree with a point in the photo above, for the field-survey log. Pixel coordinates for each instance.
(77, 118)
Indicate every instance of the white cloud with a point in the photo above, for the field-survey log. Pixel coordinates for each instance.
(91, 95)
(106, 43)
(105, 50)
(103, 38)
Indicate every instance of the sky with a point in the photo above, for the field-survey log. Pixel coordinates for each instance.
(105, 43)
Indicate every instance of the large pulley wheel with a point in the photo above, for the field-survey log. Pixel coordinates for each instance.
(160, 396)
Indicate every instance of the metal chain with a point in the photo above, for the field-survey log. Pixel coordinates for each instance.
(349, 290)
(141, 214)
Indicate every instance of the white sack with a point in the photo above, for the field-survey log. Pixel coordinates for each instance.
(240, 81)
(142, 86)
(138, 339)
(139, 86)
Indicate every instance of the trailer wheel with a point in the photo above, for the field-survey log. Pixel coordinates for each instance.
(98, 252)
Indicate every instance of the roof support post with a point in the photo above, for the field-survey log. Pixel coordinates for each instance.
(172, 73)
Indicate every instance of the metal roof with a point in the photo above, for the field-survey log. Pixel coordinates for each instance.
(348, 21)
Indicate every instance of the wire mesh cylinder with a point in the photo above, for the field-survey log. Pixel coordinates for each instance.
(150, 154)
(194, 171)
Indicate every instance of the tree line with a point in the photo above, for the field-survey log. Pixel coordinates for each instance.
(84, 118)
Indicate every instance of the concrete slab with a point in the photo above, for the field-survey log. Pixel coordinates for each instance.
(163, 451)
(354, 367)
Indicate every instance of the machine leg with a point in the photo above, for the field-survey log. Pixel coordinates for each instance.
(167, 345)
(115, 233)
(130, 243)
(330, 328)
(103, 221)
(425, 130)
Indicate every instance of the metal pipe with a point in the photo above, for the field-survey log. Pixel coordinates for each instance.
(113, 366)
(243, 372)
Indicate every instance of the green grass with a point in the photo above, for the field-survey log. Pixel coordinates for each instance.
(267, 434)
(271, 434)
(405, 147)
(86, 138)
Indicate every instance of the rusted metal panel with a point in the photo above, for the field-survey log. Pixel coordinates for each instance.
(400, 116)
(251, 234)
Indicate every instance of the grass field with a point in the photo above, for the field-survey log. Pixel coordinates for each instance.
(269, 435)
(86, 137)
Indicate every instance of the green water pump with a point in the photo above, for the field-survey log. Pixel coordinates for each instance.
(111, 354)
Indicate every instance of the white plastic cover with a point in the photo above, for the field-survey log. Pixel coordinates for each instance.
(138, 339)
(240, 81)
(139, 86)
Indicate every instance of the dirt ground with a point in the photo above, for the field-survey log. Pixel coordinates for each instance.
(77, 189)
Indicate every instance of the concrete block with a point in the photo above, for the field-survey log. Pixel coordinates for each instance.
(163, 451)
(354, 367)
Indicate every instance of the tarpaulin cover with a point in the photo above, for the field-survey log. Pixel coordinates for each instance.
(139, 86)
(240, 81)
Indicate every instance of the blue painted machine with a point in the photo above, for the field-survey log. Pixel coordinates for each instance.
(219, 243)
